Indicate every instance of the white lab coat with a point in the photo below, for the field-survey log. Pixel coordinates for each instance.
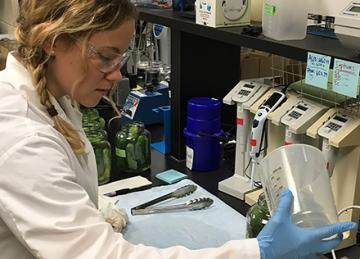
(48, 195)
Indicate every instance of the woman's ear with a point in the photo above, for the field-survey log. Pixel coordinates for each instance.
(56, 45)
(49, 47)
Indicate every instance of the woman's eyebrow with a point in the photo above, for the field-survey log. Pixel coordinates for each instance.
(116, 50)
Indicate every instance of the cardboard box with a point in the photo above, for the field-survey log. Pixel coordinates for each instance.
(6, 45)
(222, 13)
(255, 64)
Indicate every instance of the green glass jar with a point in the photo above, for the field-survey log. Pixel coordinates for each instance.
(102, 150)
(90, 113)
(256, 217)
(88, 129)
(132, 147)
(97, 122)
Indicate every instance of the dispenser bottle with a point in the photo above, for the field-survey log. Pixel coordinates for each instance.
(285, 19)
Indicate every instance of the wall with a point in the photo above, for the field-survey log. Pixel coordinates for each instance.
(9, 10)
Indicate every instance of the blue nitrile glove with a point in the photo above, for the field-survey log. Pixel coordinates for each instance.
(281, 239)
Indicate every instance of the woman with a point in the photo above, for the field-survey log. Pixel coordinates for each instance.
(69, 53)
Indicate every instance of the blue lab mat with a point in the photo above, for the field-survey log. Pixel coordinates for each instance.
(211, 227)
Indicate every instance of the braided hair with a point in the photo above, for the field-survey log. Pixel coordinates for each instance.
(41, 22)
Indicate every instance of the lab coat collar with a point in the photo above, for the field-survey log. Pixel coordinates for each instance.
(64, 105)
(23, 83)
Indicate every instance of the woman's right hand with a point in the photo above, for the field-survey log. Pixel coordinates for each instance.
(281, 239)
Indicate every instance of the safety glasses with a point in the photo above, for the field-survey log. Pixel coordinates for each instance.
(105, 59)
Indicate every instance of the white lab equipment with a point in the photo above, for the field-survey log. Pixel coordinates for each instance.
(326, 7)
(258, 128)
(244, 94)
(285, 20)
(337, 123)
(234, 9)
(163, 34)
(257, 131)
(240, 94)
(275, 130)
(347, 24)
(345, 179)
(222, 13)
(301, 169)
(298, 119)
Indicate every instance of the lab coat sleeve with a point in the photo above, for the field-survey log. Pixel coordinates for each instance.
(53, 217)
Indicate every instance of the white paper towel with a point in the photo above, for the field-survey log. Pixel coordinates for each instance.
(211, 227)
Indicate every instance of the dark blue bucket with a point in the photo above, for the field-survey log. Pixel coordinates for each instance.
(203, 115)
(202, 151)
(205, 126)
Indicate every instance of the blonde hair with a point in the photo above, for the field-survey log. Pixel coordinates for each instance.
(41, 22)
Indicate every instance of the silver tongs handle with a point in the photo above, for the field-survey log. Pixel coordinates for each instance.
(178, 193)
(195, 204)
(152, 210)
(152, 202)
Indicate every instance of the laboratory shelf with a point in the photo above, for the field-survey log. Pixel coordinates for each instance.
(205, 61)
(296, 49)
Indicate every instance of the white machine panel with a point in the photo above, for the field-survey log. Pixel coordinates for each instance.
(242, 92)
(335, 125)
(347, 24)
(302, 115)
(353, 9)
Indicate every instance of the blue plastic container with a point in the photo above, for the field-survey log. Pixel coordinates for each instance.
(204, 108)
(202, 151)
(203, 126)
(203, 115)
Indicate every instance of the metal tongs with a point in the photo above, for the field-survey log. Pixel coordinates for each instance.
(195, 204)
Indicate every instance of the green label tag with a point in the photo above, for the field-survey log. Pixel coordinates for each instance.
(270, 9)
(120, 152)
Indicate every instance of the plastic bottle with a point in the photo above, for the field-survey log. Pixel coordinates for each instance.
(285, 19)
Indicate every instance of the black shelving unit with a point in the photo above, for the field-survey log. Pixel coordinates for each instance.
(206, 62)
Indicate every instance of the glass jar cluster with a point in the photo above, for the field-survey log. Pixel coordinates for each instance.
(94, 127)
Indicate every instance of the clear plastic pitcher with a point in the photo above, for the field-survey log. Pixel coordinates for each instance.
(300, 168)
(285, 19)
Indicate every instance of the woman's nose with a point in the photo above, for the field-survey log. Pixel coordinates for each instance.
(114, 75)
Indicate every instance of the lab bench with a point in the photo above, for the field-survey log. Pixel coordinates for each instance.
(205, 61)
(209, 181)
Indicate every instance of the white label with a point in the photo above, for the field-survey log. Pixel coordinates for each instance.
(130, 106)
(189, 157)
(140, 94)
